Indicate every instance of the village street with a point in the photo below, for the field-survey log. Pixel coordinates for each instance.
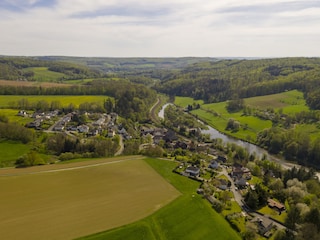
(239, 199)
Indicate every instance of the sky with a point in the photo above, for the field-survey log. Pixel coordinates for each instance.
(163, 28)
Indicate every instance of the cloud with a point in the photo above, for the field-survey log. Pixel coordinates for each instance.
(160, 28)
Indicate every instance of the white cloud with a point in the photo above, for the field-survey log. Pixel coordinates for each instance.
(161, 28)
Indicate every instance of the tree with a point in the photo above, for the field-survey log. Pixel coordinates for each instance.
(32, 158)
(293, 218)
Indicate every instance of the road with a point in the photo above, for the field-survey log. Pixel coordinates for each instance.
(239, 199)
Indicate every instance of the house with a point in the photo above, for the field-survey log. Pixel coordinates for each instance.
(58, 128)
(193, 171)
(223, 185)
(181, 145)
(99, 122)
(170, 136)
(22, 113)
(264, 226)
(83, 129)
(275, 205)
(214, 164)
(241, 183)
(111, 133)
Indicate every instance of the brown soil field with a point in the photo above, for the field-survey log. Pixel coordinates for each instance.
(67, 201)
(32, 84)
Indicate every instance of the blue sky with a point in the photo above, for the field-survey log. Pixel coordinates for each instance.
(166, 28)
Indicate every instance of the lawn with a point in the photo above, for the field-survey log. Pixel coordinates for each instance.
(45, 203)
(7, 101)
(10, 152)
(273, 214)
(13, 117)
(188, 217)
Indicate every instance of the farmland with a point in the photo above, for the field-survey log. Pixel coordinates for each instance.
(76, 199)
(32, 84)
(6, 101)
(178, 219)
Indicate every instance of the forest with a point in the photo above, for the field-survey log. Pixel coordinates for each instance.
(231, 79)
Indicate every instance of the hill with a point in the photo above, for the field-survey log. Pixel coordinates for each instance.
(230, 79)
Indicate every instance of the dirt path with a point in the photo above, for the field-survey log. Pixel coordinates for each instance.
(64, 167)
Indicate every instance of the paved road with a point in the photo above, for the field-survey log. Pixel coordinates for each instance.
(239, 199)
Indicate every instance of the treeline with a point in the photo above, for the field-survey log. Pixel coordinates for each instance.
(15, 132)
(291, 144)
(222, 80)
(67, 147)
(130, 100)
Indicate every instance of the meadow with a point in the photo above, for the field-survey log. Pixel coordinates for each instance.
(189, 217)
(6, 101)
(11, 151)
(42, 74)
(77, 199)
(185, 101)
(217, 116)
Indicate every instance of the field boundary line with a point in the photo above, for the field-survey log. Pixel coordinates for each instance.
(71, 168)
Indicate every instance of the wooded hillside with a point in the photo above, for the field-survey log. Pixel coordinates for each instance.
(231, 79)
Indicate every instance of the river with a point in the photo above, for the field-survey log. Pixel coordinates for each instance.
(251, 148)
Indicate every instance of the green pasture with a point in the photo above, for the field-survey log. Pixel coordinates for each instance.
(216, 114)
(42, 74)
(289, 102)
(185, 101)
(188, 217)
(218, 118)
(7, 101)
(11, 151)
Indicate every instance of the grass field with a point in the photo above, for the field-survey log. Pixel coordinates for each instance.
(48, 203)
(44, 75)
(216, 115)
(189, 217)
(6, 101)
(290, 102)
(10, 152)
(13, 117)
(185, 101)
(220, 121)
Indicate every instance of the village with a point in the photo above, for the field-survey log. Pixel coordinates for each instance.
(223, 182)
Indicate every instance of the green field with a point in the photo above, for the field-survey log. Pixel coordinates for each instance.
(216, 114)
(13, 117)
(188, 217)
(6, 101)
(73, 200)
(185, 101)
(10, 152)
(42, 74)
(289, 102)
